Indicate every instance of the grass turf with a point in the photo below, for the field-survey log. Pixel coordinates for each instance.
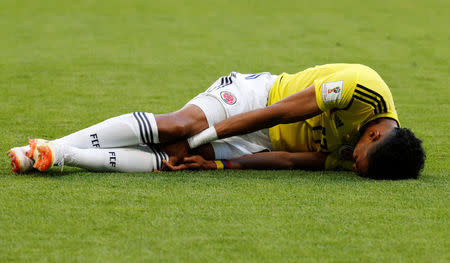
(65, 65)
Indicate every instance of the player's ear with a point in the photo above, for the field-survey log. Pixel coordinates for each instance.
(374, 135)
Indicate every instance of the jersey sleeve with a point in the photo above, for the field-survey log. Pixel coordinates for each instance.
(335, 91)
(333, 162)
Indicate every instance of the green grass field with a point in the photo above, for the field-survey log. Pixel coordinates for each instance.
(65, 65)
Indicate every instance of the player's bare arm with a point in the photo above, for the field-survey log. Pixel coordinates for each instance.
(261, 161)
(297, 107)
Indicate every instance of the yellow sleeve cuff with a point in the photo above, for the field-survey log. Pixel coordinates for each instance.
(219, 165)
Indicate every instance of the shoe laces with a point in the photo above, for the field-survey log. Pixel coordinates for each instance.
(59, 152)
(61, 162)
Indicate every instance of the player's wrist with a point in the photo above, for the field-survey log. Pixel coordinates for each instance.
(203, 137)
(222, 164)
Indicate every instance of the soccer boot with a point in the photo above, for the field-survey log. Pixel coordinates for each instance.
(32, 146)
(19, 160)
(45, 154)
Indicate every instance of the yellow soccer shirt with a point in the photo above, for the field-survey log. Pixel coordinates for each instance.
(349, 95)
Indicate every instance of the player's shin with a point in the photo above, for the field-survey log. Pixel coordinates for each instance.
(126, 130)
(136, 159)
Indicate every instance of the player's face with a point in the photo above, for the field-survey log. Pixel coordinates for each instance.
(361, 164)
(371, 137)
(361, 153)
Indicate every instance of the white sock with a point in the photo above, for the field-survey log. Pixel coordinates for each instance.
(130, 159)
(125, 130)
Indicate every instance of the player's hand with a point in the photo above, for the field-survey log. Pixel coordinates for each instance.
(194, 162)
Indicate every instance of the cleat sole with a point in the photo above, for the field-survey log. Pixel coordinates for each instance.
(14, 162)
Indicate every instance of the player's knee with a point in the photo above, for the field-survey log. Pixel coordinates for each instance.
(181, 124)
(173, 128)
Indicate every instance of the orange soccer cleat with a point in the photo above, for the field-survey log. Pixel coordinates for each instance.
(42, 154)
(19, 161)
(33, 143)
(46, 154)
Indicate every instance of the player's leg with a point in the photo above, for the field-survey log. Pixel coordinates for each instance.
(196, 116)
(146, 128)
(82, 152)
(139, 128)
(188, 121)
(126, 130)
(127, 159)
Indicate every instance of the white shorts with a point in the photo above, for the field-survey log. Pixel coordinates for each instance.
(232, 95)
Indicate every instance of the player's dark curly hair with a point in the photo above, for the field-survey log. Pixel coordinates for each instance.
(399, 156)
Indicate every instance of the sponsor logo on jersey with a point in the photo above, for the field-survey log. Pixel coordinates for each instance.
(228, 97)
(332, 91)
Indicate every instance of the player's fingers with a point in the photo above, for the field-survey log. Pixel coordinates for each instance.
(167, 166)
(180, 167)
(171, 167)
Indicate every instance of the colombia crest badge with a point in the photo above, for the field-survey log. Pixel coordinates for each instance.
(228, 97)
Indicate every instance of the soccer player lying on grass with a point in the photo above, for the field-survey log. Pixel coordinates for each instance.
(335, 116)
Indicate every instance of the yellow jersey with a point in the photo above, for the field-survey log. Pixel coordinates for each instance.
(349, 96)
